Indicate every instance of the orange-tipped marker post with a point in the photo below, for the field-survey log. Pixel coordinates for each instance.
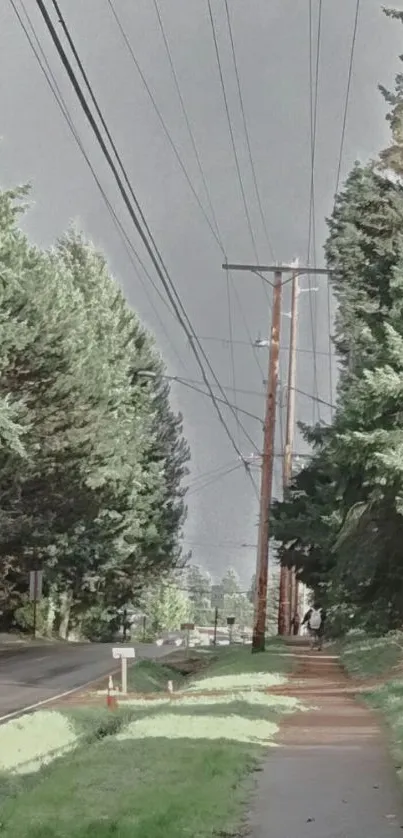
(111, 702)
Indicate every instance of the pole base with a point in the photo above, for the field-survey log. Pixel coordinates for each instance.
(111, 702)
(258, 642)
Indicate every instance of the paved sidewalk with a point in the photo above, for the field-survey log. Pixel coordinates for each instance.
(331, 777)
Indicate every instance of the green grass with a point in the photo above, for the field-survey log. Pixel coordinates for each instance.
(238, 669)
(166, 769)
(150, 676)
(388, 699)
(27, 743)
(366, 657)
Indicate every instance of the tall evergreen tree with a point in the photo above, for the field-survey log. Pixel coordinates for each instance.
(91, 462)
(341, 522)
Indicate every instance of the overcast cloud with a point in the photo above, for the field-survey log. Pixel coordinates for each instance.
(271, 39)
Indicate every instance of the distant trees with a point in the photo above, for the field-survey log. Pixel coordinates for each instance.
(91, 455)
(198, 585)
(237, 602)
(186, 596)
(166, 606)
(272, 598)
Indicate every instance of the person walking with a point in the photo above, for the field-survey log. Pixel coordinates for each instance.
(315, 620)
(295, 624)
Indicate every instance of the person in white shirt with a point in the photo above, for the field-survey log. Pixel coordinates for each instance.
(315, 620)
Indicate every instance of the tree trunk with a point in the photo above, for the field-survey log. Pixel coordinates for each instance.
(65, 609)
(52, 610)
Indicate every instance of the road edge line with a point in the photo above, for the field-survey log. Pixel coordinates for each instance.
(30, 707)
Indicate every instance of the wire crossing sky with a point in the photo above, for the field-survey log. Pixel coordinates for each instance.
(233, 125)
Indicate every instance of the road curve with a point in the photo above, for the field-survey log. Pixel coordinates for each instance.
(32, 674)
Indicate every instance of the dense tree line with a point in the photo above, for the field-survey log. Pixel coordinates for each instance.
(91, 455)
(188, 597)
(341, 523)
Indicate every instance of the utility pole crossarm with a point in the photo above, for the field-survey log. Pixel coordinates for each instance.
(283, 269)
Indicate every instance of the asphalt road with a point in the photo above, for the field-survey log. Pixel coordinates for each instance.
(32, 674)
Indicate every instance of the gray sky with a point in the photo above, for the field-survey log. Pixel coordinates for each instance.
(272, 47)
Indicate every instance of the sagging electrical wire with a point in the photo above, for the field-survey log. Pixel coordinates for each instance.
(131, 251)
(187, 122)
(130, 48)
(348, 90)
(231, 340)
(225, 341)
(206, 474)
(156, 257)
(231, 132)
(248, 332)
(186, 383)
(330, 352)
(206, 188)
(248, 142)
(313, 97)
(162, 121)
(215, 479)
(339, 166)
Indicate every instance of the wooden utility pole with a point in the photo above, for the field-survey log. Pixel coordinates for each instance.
(288, 580)
(262, 559)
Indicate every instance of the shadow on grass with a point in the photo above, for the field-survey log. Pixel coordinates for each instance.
(237, 708)
(153, 787)
(371, 656)
(152, 676)
(154, 771)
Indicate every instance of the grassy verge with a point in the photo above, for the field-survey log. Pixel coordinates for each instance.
(175, 768)
(238, 669)
(368, 657)
(388, 699)
(149, 677)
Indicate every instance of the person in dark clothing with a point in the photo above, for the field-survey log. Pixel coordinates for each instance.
(315, 620)
(295, 624)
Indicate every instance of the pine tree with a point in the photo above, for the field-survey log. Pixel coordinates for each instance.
(199, 583)
(91, 462)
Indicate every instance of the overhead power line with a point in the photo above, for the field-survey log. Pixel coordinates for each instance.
(162, 121)
(231, 132)
(330, 353)
(222, 544)
(221, 401)
(314, 99)
(213, 480)
(313, 104)
(347, 99)
(247, 330)
(187, 122)
(155, 257)
(225, 387)
(206, 474)
(231, 337)
(251, 343)
(191, 382)
(131, 251)
(248, 142)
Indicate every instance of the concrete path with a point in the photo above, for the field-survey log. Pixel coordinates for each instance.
(331, 777)
(32, 674)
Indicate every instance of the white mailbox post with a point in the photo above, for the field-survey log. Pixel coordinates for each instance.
(124, 653)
